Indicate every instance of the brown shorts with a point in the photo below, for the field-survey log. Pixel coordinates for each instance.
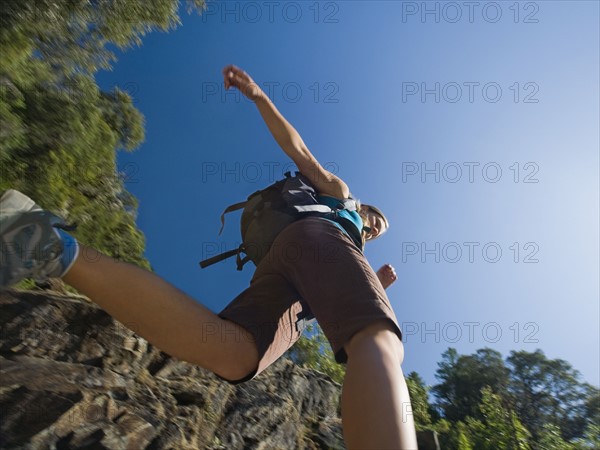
(312, 266)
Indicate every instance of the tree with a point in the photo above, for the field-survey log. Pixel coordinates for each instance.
(547, 391)
(591, 405)
(590, 439)
(418, 392)
(500, 429)
(59, 133)
(313, 351)
(73, 35)
(463, 442)
(462, 377)
(551, 439)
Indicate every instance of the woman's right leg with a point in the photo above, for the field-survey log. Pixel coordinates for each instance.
(376, 408)
(164, 315)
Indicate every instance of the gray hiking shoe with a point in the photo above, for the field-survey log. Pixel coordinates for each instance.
(31, 245)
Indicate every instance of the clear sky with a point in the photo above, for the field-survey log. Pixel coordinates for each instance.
(474, 126)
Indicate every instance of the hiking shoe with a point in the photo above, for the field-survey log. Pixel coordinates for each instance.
(32, 241)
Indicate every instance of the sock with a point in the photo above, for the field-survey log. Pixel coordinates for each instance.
(70, 251)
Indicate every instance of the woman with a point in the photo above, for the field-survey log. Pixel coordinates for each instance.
(339, 287)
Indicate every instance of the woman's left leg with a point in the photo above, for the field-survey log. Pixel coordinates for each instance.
(164, 315)
(33, 245)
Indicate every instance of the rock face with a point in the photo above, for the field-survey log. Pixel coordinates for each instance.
(73, 378)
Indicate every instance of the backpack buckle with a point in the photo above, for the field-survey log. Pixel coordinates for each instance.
(241, 261)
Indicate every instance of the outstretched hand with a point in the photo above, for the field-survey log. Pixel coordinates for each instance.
(236, 77)
(387, 275)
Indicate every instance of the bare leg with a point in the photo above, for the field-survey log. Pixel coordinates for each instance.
(164, 315)
(376, 410)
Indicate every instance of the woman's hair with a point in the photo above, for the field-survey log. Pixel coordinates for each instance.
(363, 207)
(379, 213)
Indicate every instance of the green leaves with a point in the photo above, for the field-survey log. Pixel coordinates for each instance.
(419, 401)
(313, 351)
(529, 402)
(547, 392)
(59, 133)
(74, 35)
(462, 379)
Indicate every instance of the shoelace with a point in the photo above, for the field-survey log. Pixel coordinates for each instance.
(48, 260)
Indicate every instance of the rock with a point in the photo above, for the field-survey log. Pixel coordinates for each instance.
(428, 440)
(72, 377)
(46, 375)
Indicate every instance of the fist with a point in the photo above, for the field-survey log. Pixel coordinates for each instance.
(236, 77)
(387, 275)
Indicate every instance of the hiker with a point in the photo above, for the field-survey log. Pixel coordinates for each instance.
(326, 273)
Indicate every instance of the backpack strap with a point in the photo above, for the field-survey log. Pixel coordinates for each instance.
(229, 209)
(349, 204)
(228, 254)
(219, 257)
(349, 226)
(241, 261)
(312, 208)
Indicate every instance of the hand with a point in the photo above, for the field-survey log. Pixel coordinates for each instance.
(387, 275)
(236, 77)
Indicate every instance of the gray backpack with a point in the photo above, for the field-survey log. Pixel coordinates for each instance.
(268, 211)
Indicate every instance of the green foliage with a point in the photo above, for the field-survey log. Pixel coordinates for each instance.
(591, 438)
(546, 391)
(532, 402)
(551, 439)
(59, 133)
(462, 379)
(25, 285)
(313, 351)
(500, 428)
(73, 36)
(463, 442)
(419, 401)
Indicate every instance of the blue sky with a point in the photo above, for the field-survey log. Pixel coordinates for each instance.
(475, 130)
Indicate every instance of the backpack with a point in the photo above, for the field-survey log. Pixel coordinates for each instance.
(268, 211)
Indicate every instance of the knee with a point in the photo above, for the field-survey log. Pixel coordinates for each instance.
(381, 334)
(234, 376)
(236, 370)
(240, 363)
(237, 356)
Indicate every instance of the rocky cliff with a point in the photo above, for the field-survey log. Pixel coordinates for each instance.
(72, 377)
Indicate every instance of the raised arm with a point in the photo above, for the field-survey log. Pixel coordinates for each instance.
(286, 135)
